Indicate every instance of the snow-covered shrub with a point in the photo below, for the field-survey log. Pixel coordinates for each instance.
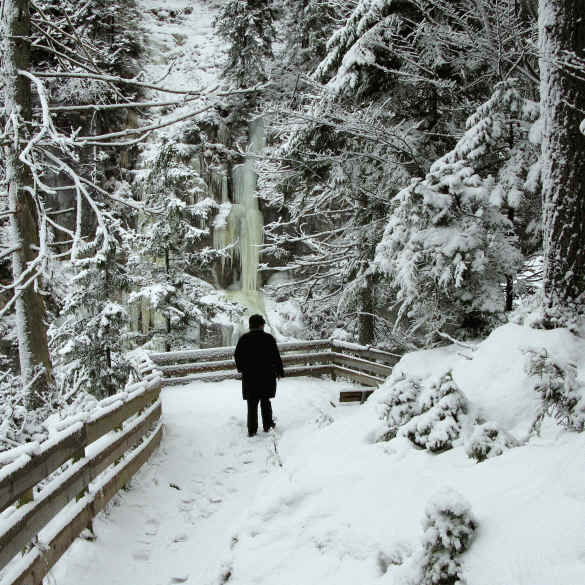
(430, 417)
(441, 408)
(449, 527)
(20, 424)
(562, 396)
(399, 405)
(488, 440)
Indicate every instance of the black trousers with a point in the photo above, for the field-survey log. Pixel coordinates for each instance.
(265, 409)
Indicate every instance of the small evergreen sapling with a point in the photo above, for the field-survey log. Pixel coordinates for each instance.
(562, 396)
(449, 527)
(430, 417)
(488, 440)
(442, 406)
(400, 405)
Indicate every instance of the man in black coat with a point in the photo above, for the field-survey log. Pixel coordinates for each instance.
(258, 359)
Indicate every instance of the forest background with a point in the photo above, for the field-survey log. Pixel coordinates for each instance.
(422, 180)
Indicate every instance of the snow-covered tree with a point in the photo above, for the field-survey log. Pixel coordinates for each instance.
(562, 395)
(91, 338)
(170, 245)
(400, 405)
(488, 440)
(430, 416)
(441, 409)
(449, 527)
(247, 26)
(306, 26)
(454, 240)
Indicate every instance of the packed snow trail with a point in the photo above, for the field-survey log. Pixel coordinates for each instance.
(173, 524)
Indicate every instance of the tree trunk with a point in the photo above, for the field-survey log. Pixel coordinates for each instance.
(562, 29)
(168, 317)
(30, 309)
(366, 315)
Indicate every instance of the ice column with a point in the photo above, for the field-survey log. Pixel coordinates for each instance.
(245, 217)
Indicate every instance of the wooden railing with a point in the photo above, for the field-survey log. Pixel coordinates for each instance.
(366, 365)
(44, 511)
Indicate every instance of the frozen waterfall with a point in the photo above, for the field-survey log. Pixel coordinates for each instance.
(243, 227)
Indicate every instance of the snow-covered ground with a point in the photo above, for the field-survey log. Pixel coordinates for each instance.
(320, 502)
(176, 521)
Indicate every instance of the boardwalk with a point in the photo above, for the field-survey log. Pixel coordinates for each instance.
(175, 522)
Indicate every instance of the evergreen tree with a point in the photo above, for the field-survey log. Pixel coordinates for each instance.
(248, 28)
(170, 246)
(307, 25)
(455, 237)
(91, 340)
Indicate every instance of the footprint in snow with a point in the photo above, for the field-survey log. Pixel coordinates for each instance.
(141, 554)
(182, 579)
(185, 506)
(180, 538)
(152, 526)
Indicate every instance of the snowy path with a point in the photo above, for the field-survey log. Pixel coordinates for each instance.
(175, 522)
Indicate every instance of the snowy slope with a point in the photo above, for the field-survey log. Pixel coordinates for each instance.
(181, 45)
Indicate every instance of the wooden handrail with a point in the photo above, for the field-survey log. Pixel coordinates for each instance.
(50, 457)
(218, 353)
(35, 564)
(366, 365)
(90, 460)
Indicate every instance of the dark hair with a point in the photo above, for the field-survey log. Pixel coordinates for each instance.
(256, 321)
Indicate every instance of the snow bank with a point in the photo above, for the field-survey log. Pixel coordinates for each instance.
(495, 380)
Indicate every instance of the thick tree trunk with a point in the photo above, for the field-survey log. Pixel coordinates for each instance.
(30, 310)
(562, 29)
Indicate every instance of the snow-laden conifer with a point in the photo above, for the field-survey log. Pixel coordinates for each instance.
(90, 337)
(456, 237)
(429, 415)
(449, 527)
(488, 440)
(562, 394)
(399, 405)
(442, 407)
(247, 26)
(172, 245)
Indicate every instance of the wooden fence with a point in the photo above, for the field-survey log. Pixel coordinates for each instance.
(366, 365)
(42, 512)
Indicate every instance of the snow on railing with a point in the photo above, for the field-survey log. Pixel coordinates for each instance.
(42, 512)
(369, 366)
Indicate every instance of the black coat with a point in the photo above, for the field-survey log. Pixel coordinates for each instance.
(258, 359)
